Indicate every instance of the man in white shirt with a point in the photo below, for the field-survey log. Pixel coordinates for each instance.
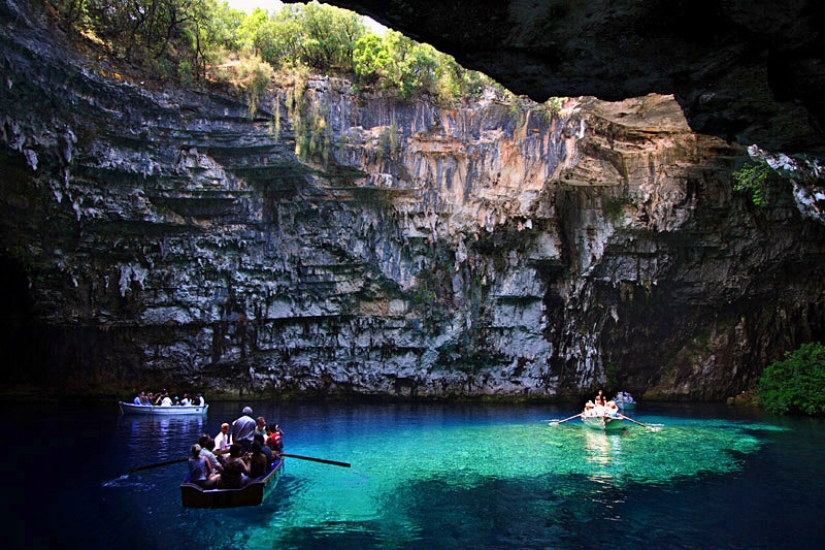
(222, 439)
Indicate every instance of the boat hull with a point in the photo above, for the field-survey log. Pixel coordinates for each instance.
(623, 403)
(251, 494)
(603, 423)
(131, 408)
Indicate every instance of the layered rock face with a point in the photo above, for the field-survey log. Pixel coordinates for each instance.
(341, 243)
(747, 71)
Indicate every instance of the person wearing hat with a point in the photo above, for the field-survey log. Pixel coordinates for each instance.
(243, 429)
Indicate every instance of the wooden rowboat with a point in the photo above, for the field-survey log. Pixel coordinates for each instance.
(131, 408)
(625, 403)
(251, 494)
(604, 423)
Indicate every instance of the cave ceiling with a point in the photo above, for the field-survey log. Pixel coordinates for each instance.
(749, 71)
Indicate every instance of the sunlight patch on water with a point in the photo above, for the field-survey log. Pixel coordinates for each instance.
(464, 459)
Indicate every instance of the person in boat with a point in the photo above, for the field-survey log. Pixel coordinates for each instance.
(258, 463)
(260, 426)
(243, 429)
(275, 438)
(267, 452)
(200, 472)
(589, 409)
(235, 470)
(600, 399)
(140, 398)
(207, 451)
(612, 409)
(186, 402)
(163, 399)
(222, 439)
(199, 401)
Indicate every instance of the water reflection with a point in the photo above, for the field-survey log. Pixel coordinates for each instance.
(151, 437)
(602, 450)
(436, 477)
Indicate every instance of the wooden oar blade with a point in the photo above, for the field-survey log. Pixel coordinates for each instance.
(321, 460)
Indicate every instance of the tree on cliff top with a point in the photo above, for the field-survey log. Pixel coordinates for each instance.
(182, 39)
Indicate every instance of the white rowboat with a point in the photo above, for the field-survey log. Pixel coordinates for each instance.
(131, 408)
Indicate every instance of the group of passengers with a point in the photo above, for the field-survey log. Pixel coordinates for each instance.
(600, 406)
(230, 460)
(163, 399)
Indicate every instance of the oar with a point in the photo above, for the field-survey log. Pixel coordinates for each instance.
(166, 463)
(157, 465)
(639, 423)
(321, 460)
(557, 422)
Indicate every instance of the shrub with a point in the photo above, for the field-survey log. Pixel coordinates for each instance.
(752, 178)
(794, 385)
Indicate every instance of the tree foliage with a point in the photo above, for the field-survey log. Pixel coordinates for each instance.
(173, 38)
(794, 385)
(752, 178)
(183, 38)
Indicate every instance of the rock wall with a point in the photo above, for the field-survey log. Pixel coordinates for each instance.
(335, 242)
(743, 70)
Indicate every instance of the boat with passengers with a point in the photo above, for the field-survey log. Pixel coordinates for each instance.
(163, 410)
(602, 417)
(252, 493)
(625, 401)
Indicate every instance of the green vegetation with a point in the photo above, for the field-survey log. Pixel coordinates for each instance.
(753, 178)
(795, 384)
(192, 41)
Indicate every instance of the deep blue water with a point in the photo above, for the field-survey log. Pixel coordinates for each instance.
(424, 476)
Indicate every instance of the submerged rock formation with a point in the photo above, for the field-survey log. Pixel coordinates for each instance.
(337, 242)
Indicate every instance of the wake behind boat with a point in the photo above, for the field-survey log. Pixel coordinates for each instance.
(161, 410)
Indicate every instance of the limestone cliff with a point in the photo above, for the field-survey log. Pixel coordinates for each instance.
(340, 242)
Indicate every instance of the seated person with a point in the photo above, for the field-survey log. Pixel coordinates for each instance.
(140, 398)
(163, 399)
(258, 465)
(185, 402)
(260, 426)
(200, 472)
(267, 452)
(235, 470)
(274, 439)
(207, 447)
(222, 439)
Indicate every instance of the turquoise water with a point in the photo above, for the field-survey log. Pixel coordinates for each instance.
(437, 476)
